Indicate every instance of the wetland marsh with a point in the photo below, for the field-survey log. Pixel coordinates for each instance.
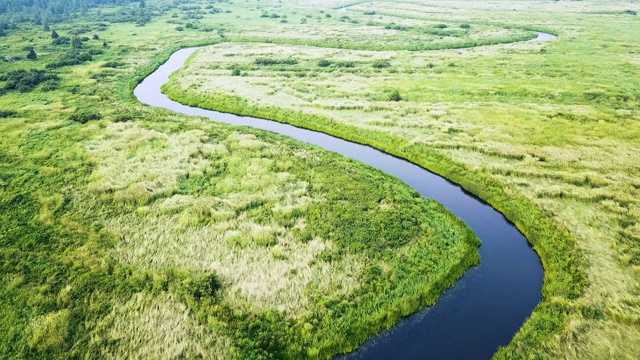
(133, 231)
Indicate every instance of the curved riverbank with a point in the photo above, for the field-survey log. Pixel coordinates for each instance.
(483, 310)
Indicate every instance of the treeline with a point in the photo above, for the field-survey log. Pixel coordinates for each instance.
(54, 7)
(41, 12)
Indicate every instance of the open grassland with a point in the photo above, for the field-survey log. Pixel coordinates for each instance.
(133, 232)
(220, 230)
(547, 132)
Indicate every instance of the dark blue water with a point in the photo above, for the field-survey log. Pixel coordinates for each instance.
(472, 319)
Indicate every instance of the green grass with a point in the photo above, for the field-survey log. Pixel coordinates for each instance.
(545, 132)
(128, 231)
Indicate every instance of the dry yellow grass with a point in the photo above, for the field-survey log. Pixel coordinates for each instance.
(156, 327)
(138, 164)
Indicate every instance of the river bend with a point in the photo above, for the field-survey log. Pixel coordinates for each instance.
(483, 310)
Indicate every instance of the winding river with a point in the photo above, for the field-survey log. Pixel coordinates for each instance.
(483, 310)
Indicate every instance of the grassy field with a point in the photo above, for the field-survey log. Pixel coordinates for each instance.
(128, 231)
(140, 221)
(546, 132)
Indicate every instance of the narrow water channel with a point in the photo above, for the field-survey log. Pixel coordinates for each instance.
(482, 311)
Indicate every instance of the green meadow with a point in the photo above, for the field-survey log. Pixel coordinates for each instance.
(129, 231)
(133, 232)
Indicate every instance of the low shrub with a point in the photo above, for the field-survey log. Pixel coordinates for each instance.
(272, 61)
(395, 96)
(7, 113)
(70, 58)
(381, 64)
(84, 116)
(112, 64)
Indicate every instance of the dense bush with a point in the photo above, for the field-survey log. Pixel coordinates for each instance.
(206, 285)
(84, 116)
(26, 80)
(76, 42)
(61, 40)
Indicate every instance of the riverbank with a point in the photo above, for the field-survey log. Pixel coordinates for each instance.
(504, 251)
(525, 134)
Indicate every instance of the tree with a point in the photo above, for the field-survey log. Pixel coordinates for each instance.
(54, 35)
(104, 44)
(96, 37)
(32, 55)
(142, 4)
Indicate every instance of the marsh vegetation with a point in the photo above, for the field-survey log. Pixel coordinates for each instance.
(120, 222)
(543, 131)
(129, 231)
